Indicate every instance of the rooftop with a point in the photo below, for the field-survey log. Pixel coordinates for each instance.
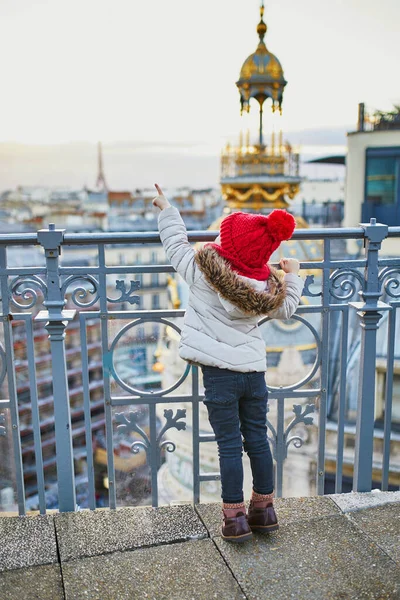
(338, 546)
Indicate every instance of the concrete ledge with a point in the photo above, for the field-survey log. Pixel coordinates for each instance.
(382, 525)
(325, 558)
(359, 500)
(89, 533)
(318, 552)
(27, 541)
(32, 583)
(189, 570)
(289, 510)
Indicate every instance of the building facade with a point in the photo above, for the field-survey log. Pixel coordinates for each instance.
(373, 173)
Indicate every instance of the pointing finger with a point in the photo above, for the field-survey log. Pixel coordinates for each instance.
(159, 190)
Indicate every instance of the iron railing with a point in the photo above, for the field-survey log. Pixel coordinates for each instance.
(36, 297)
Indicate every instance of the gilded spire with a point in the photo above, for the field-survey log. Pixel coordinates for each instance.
(261, 27)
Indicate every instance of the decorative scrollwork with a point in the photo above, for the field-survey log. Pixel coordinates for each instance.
(129, 424)
(126, 295)
(279, 438)
(301, 417)
(136, 446)
(296, 440)
(314, 368)
(111, 357)
(168, 445)
(173, 421)
(389, 282)
(347, 286)
(80, 293)
(23, 286)
(3, 430)
(306, 289)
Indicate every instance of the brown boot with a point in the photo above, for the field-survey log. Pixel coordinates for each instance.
(236, 529)
(262, 518)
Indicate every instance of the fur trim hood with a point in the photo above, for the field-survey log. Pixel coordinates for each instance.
(235, 290)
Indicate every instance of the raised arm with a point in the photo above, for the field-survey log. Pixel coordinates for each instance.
(174, 239)
(294, 289)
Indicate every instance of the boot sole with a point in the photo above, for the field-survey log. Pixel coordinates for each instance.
(264, 528)
(237, 539)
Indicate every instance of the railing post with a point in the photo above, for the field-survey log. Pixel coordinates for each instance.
(56, 321)
(369, 312)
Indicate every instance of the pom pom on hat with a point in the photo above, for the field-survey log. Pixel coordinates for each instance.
(248, 240)
(281, 225)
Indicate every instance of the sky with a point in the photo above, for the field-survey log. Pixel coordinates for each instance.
(157, 77)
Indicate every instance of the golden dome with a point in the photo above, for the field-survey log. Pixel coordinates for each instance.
(261, 75)
(262, 65)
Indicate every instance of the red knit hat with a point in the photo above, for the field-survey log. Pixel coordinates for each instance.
(248, 240)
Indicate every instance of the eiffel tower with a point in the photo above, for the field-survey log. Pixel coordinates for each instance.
(101, 184)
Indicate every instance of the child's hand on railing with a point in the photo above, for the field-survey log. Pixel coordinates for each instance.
(290, 265)
(160, 201)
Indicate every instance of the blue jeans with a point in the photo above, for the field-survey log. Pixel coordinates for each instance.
(237, 406)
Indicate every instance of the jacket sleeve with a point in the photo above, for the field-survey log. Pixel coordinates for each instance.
(294, 289)
(174, 239)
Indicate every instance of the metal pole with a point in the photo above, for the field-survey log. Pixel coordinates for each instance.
(12, 385)
(369, 314)
(56, 321)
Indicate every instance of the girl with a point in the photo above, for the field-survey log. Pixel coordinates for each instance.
(231, 287)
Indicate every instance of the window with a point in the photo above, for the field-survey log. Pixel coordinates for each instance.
(381, 179)
(155, 302)
(382, 185)
(154, 279)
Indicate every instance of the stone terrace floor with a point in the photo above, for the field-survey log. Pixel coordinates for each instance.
(342, 546)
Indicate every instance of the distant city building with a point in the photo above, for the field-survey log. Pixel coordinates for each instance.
(320, 202)
(102, 209)
(373, 171)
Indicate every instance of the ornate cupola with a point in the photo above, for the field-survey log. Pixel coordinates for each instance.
(261, 76)
(262, 175)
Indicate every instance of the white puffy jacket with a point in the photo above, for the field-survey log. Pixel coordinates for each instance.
(221, 322)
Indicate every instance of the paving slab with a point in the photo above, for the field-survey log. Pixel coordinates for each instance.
(185, 571)
(89, 533)
(382, 525)
(288, 510)
(27, 541)
(32, 583)
(326, 558)
(360, 500)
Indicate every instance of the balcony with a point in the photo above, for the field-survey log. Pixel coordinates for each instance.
(130, 397)
(262, 161)
(140, 420)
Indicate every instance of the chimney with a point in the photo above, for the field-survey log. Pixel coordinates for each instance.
(361, 117)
